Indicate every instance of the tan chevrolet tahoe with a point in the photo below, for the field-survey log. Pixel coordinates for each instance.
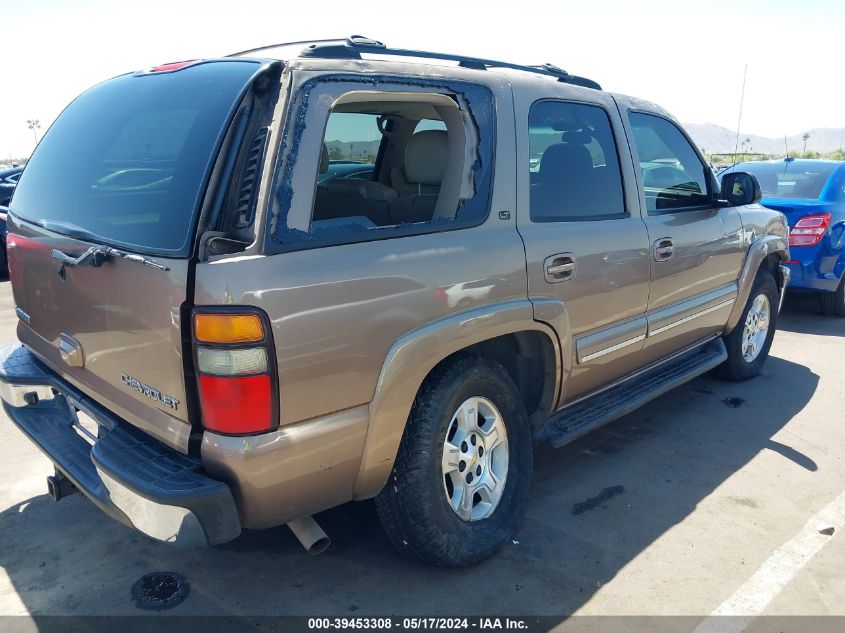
(253, 288)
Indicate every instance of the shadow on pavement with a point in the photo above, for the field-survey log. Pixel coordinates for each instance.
(659, 464)
(802, 314)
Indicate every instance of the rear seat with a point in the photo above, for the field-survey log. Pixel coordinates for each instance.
(413, 198)
(352, 197)
(418, 181)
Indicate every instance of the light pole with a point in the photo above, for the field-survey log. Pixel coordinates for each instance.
(34, 125)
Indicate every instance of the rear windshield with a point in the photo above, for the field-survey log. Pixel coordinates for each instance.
(791, 179)
(125, 163)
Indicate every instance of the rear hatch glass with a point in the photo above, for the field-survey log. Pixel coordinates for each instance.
(799, 180)
(125, 165)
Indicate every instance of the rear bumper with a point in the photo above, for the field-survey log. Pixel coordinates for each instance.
(807, 276)
(132, 477)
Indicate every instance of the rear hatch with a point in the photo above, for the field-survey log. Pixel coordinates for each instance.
(125, 166)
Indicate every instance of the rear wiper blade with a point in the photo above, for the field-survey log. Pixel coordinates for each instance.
(67, 228)
(98, 255)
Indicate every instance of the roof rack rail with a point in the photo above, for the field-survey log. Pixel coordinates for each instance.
(355, 45)
(298, 43)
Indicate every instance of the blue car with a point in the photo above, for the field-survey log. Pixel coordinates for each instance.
(811, 193)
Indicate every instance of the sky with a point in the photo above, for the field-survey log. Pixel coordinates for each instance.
(686, 55)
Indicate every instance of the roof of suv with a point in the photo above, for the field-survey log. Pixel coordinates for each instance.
(353, 47)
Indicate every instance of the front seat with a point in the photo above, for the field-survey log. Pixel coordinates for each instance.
(566, 183)
(418, 180)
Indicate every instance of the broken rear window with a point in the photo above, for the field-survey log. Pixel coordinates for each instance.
(386, 160)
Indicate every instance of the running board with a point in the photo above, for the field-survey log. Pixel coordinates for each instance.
(582, 417)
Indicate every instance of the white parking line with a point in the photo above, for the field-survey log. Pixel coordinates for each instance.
(752, 598)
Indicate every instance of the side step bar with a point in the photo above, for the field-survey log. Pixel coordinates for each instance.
(582, 417)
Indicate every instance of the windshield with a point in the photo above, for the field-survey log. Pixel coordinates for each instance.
(790, 179)
(126, 162)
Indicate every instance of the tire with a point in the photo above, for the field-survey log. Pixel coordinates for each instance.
(4, 264)
(414, 507)
(833, 303)
(744, 363)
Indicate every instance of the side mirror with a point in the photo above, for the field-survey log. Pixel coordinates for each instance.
(740, 188)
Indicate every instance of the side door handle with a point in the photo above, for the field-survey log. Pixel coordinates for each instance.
(558, 268)
(663, 249)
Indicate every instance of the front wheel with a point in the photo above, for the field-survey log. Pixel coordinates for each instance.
(749, 342)
(833, 303)
(462, 477)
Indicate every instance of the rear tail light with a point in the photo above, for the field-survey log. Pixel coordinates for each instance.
(232, 362)
(228, 328)
(809, 230)
(236, 372)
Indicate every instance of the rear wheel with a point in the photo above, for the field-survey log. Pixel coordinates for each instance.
(749, 342)
(462, 477)
(833, 303)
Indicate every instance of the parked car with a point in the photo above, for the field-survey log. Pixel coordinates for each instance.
(3, 261)
(812, 195)
(8, 181)
(532, 258)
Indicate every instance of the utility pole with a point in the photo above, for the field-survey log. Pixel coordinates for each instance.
(34, 125)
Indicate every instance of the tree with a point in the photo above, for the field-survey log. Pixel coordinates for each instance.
(805, 137)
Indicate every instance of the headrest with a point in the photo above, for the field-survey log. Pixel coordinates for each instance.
(425, 157)
(324, 160)
(565, 159)
(579, 137)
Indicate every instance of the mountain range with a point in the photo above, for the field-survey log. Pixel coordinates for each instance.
(714, 139)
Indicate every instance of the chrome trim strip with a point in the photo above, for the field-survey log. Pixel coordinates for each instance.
(689, 318)
(23, 316)
(613, 348)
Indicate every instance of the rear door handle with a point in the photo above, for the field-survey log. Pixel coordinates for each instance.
(558, 268)
(663, 249)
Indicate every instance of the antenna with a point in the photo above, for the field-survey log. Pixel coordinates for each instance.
(739, 122)
(786, 145)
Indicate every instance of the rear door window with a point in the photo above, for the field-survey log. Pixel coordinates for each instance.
(574, 166)
(126, 162)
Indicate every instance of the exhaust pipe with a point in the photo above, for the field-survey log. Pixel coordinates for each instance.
(311, 535)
